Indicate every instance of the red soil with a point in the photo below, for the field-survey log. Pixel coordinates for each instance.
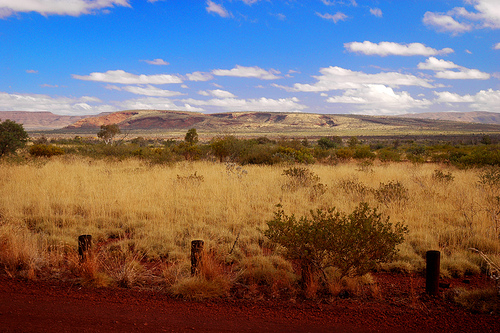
(44, 306)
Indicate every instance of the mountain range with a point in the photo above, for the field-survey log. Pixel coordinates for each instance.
(255, 122)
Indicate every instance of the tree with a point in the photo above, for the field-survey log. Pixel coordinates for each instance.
(12, 137)
(108, 132)
(191, 136)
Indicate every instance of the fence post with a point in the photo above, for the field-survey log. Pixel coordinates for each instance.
(432, 272)
(196, 255)
(84, 246)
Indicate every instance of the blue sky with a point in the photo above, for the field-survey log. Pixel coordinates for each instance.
(378, 57)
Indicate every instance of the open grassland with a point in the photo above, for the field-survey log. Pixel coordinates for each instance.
(143, 218)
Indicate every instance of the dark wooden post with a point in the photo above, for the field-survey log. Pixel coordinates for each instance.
(432, 272)
(196, 255)
(84, 246)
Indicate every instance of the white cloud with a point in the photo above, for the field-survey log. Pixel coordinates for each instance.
(248, 72)
(120, 76)
(484, 100)
(448, 97)
(376, 12)
(339, 16)
(59, 105)
(463, 74)
(148, 90)
(444, 23)
(31, 71)
(496, 46)
(148, 103)
(435, 64)
(488, 13)
(250, 2)
(337, 78)
(260, 104)
(376, 98)
(199, 76)
(459, 19)
(212, 7)
(157, 62)
(443, 70)
(389, 48)
(219, 93)
(57, 7)
(333, 2)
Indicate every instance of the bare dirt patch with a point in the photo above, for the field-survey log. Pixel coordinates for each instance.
(51, 306)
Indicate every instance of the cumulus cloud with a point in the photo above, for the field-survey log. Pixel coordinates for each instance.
(149, 103)
(147, 90)
(389, 48)
(120, 76)
(496, 46)
(58, 7)
(449, 70)
(59, 105)
(435, 64)
(212, 7)
(459, 19)
(248, 72)
(219, 93)
(376, 12)
(445, 23)
(379, 98)
(339, 16)
(337, 78)
(484, 100)
(259, 104)
(199, 76)
(157, 62)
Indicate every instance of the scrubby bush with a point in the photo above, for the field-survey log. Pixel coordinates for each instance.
(45, 150)
(298, 177)
(329, 142)
(392, 192)
(353, 243)
(443, 177)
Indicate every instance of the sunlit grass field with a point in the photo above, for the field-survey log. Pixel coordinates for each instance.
(140, 213)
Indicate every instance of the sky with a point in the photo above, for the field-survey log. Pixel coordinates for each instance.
(374, 57)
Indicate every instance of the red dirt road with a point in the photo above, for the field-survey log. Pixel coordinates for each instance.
(27, 306)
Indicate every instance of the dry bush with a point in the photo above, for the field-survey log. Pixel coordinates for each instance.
(480, 301)
(272, 271)
(211, 280)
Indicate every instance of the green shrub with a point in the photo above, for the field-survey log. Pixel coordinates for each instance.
(344, 153)
(43, 150)
(388, 155)
(353, 243)
(363, 152)
(329, 142)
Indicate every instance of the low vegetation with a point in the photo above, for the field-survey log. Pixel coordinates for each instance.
(144, 201)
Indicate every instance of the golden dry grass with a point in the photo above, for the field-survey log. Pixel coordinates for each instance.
(155, 211)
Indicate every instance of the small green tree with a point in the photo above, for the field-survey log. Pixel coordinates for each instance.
(12, 137)
(191, 136)
(108, 132)
(353, 243)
